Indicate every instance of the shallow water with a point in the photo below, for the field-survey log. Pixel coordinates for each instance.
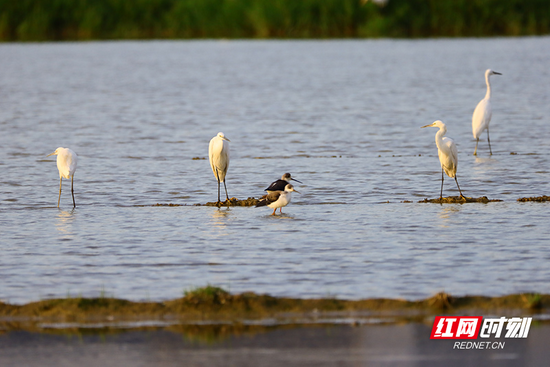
(343, 117)
(307, 345)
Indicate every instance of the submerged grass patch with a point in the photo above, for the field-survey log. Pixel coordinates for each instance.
(539, 199)
(231, 202)
(234, 202)
(459, 200)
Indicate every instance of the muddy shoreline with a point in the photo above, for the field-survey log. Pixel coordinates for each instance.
(214, 305)
(251, 201)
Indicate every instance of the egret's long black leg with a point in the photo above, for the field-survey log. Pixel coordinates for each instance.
(442, 178)
(489, 141)
(72, 190)
(227, 196)
(475, 150)
(462, 196)
(60, 183)
(218, 179)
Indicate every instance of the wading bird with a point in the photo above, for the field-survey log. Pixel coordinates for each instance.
(277, 199)
(448, 155)
(280, 185)
(218, 153)
(482, 113)
(66, 164)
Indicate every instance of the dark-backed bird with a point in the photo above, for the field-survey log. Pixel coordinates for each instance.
(277, 199)
(280, 184)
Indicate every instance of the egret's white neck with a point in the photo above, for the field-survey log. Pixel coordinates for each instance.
(439, 136)
(488, 94)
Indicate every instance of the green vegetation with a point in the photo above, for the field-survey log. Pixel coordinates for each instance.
(37, 20)
(541, 199)
(210, 314)
(459, 200)
(217, 305)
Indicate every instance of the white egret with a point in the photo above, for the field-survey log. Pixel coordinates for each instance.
(66, 164)
(277, 199)
(448, 155)
(482, 113)
(280, 185)
(218, 153)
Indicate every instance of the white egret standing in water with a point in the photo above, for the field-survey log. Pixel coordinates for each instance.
(218, 153)
(66, 164)
(448, 155)
(482, 113)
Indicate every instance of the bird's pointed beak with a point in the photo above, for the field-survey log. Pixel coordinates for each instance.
(224, 138)
(497, 73)
(296, 191)
(427, 126)
(50, 154)
(293, 179)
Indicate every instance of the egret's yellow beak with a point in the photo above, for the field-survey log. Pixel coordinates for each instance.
(50, 154)
(427, 125)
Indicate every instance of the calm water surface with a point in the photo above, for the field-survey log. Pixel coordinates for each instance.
(343, 117)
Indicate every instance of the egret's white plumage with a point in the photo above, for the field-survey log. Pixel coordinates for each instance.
(218, 153)
(483, 113)
(66, 164)
(277, 199)
(447, 152)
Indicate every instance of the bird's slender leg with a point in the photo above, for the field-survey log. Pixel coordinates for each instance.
(218, 179)
(274, 210)
(227, 196)
(60, 183)
(489, 141)
(441, 192)
(281, 210)
(462, 196)
(475, 150)
(72, 190)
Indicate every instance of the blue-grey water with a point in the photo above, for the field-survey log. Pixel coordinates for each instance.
(343, 117)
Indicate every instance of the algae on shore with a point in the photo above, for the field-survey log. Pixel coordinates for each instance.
(540, 199)
(251, 201)
(235, 202)
(216, 305)
(459, 200)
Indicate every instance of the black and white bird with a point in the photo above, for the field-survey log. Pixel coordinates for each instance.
(280, 184)
(277, 199)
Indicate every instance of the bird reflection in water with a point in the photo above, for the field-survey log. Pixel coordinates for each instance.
(220, 218)
(446, 215)
(64, 221)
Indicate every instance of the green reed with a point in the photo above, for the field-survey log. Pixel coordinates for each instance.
(36, 20)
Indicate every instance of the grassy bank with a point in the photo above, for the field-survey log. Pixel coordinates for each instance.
(38, 20)
(215, 304)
